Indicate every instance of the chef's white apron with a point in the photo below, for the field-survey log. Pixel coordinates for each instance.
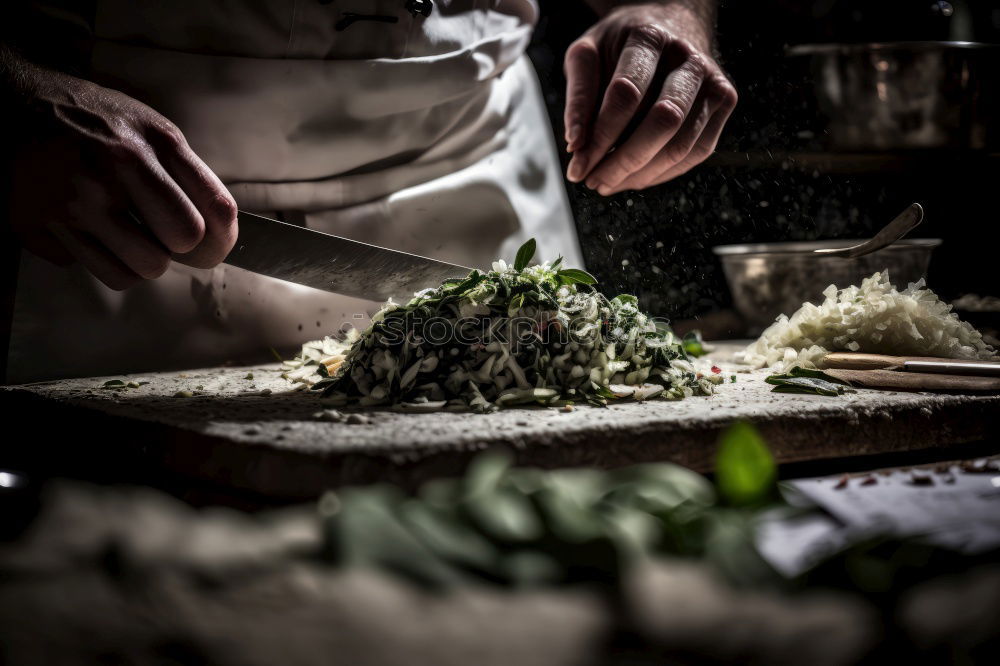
(427, 135)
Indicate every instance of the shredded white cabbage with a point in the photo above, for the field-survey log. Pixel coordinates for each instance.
(874, 318)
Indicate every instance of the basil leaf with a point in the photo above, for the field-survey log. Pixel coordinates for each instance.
(745, 472)
(524, 255)
(571, 275)
(790, 383)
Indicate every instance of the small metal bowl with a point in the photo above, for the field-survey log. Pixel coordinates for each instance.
(768, 279)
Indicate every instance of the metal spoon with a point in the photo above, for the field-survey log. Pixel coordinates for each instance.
(890, 233)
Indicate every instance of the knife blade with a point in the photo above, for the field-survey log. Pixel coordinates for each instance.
(331, 263)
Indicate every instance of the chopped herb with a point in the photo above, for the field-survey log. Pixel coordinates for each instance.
(803, 380)
(694, 346)
(514, 335)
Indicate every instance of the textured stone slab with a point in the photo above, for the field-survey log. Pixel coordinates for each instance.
(259, 434)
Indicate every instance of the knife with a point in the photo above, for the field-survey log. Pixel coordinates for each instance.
(331, 263)
(944, 366)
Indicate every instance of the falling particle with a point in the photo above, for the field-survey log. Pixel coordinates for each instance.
(624, 262)
(628, 202)
(764, 204)
(611, 238)
(659, 245)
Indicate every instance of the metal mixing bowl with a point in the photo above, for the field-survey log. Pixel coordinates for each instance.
(768, 279)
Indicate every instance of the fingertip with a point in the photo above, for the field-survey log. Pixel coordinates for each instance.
(577, 168)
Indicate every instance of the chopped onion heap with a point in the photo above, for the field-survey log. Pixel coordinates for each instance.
(515, 335)
(874, 318)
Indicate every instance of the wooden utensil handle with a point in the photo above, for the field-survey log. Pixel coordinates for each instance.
(856, 361)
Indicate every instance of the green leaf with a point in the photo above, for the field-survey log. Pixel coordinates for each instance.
(555, 264)
(625, 299)
(524, 255)
(745, 472)
(816, 374)
(693, 344)
(571, 275)
(802, 380)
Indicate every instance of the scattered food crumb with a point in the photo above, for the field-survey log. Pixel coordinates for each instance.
(921, 479)
(869, 480)
(842, 483)
(325, 415)
(184, 394)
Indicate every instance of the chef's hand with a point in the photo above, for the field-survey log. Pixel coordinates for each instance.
(105, 180)
(610, 74)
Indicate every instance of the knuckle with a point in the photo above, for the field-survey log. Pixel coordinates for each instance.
(730, 97)
(153, 265)
(224, 211)
(724, 93)
(187, 232)
(697, 63)
(699, 153)
(623, 94)
(626, 163)
(666, 114)
(675, 153)
(649, 34)
(170, 134)
(582, 51)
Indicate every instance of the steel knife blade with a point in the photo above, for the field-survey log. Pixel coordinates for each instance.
(331, 263)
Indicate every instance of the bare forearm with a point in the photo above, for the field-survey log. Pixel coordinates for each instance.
(694, 18)
(704, 9)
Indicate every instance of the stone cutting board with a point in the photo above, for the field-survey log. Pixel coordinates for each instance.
(257, 434)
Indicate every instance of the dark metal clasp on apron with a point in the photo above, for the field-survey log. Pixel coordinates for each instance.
(421, 7)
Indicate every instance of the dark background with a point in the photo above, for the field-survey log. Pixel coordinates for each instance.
(772, 177)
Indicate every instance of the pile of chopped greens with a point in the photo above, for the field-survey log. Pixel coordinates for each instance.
(515, 335)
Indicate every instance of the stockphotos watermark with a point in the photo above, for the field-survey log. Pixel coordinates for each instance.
(514, 332)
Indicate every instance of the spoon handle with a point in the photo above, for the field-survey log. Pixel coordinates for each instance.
(903, 224)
